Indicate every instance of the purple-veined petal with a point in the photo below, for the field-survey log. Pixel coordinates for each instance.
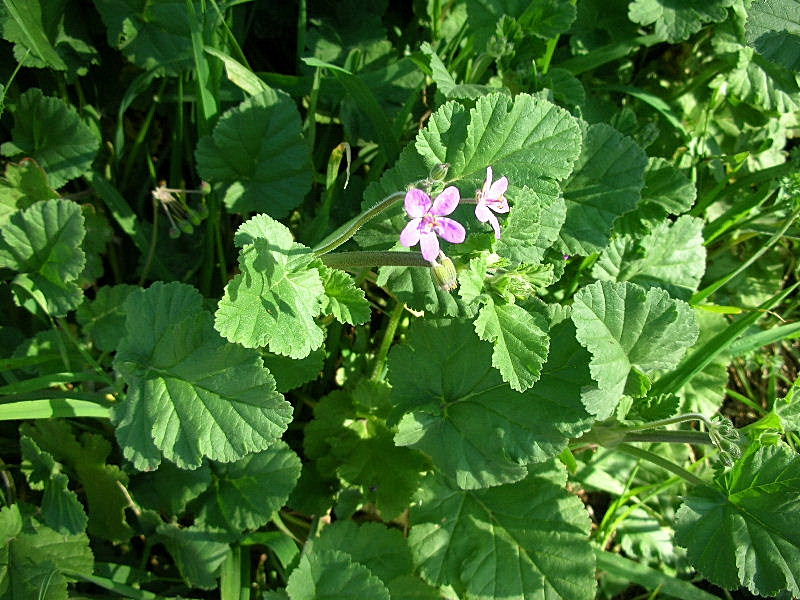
(500, 206)
(451, 230)
(446, 202)
(429, 244)
(410, 234)
(498, 188)
(417, 203)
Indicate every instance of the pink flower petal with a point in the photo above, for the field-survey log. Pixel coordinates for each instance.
(410, 234)
(482, 212)
(451, 230)
(446, 202)
(485, 215)
(500, 206)
(417, 203)
(488, 183)
(429, 244)
(495, 225)
(498, 188)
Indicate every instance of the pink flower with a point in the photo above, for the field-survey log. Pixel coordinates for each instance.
(491, 198)
(427, 221)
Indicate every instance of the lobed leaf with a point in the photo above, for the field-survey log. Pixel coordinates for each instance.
(191, 394)
(50, 131)
(456, 408)
(745, 528)
(521, 540)
(257, 152)
(677, 20)
(274, 300)
(43, 243)
(607, 182)
(625, 326)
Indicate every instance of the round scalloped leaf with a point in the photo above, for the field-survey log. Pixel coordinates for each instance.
(244, 494)
(198, 553)
(528, 539)
(153, 35)
(606, 183)
(190, 393)
(523, 138)
(625, 326)
(762, 83)
(677, 20)
(674, 258)
(50, 131)
(103, 319)
(382, 550)
(274, 300)
(258, 153)
(331, 574)
(23, 184)
(459, 411)
(43, 243)
(745, 529)
(773, 28)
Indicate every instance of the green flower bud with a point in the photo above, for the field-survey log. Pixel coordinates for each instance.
(439, 172)
(444, 273)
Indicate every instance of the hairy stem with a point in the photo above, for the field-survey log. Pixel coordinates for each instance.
(373, 258)
(349, 229)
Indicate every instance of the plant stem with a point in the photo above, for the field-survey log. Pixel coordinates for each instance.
(388, 337)
(669, 437)
(349, 229)
(373, 258)
(672, 421)
(661, 462)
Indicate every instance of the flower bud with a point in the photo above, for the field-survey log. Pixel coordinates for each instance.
(444, 273)
(439, 172)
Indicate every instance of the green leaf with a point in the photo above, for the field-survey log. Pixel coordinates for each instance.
(415, 287)
(244, 494)
(61, 509)
(382, 550)
(103, 319)
(522, 540)
(343, 299)
(291, 373)
(626, 326)
(43, 244)
(674, 258)
(519, 338)
(667, 191)
(761, 83)
(153, 35)
(86, 458)
(745, 528)
(274, 300)
(24, 184)
(169, 489)
(533, 223)
(190, 394)
(50, 131)
(677, 20)
(331, 574)
(387, 474)
(257, 152)
(524, 138)
(37, 558)
(606, 183)
(773, 28)
(198, 553)
(52, 36)
(445, 82)
(475, 428)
